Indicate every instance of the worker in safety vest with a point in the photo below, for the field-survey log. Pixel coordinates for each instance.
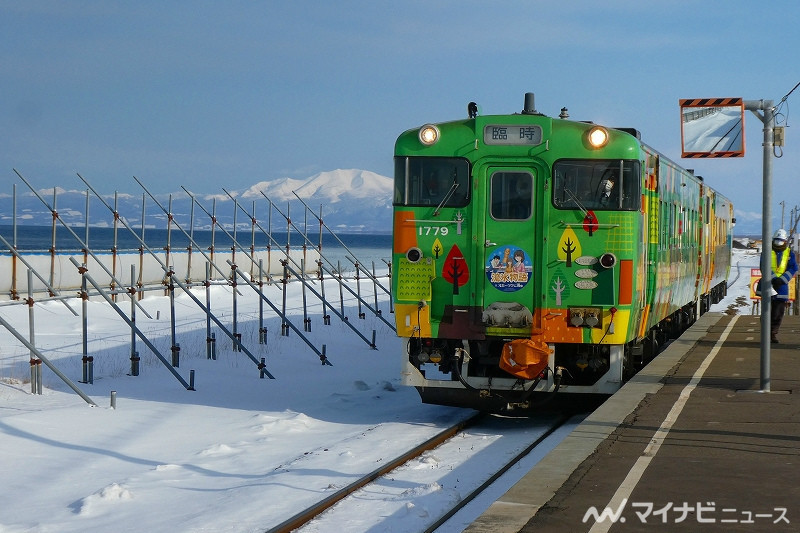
(784, 267)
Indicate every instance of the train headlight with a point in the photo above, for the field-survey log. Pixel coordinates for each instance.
(429, 134)
(598, 137)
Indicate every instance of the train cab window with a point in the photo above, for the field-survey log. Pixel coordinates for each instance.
(512, 195)
(431, 181)
(596, 184)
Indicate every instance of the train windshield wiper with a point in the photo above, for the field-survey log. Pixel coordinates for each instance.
(577, 202)
(447, 196)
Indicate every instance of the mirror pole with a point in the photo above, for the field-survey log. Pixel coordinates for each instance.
(768, 118)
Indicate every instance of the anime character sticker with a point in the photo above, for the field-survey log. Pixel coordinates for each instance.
(519, 261)
(508, 268)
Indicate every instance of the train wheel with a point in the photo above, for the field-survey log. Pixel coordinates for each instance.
(676, 325)
(628, 366)
(651, 346)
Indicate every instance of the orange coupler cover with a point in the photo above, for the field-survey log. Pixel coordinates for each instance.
(524, 358)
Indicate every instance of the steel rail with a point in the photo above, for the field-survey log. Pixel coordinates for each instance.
(308, 514)
(494, 477)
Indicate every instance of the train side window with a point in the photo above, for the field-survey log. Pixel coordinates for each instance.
(512, 195)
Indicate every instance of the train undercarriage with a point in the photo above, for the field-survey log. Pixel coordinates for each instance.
(468, 373)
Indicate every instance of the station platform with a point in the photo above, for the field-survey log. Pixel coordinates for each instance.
(691, 443)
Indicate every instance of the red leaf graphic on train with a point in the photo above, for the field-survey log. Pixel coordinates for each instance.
(590, 222)
(455, 268)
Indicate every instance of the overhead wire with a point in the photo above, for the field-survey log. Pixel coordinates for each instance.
(782, 102)
(780, 117)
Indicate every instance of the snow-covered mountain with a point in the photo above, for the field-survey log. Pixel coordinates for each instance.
(352, 200)
(330, 187)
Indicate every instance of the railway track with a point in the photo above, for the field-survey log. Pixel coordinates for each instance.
(485, 447)
(513, 461)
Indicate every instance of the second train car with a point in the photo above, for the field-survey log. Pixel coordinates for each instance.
(535, 255)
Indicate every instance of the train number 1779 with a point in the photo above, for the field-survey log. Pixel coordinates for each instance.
(433, 230)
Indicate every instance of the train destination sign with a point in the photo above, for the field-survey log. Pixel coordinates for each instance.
(521, 135)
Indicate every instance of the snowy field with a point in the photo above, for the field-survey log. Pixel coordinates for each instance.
(239, 453)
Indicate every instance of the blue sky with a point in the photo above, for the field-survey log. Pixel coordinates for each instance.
(212, 94)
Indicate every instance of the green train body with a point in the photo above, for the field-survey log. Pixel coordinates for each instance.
(528, 261)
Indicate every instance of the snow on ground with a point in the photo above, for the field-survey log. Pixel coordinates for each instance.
(239, 453)
(738, 297)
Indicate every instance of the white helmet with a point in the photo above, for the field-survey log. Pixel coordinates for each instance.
(780, 235)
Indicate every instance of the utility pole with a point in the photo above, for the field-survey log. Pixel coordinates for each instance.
(794, 245)
(783, 208)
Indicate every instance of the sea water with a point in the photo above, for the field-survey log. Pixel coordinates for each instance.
(147, 254)
(336, 249)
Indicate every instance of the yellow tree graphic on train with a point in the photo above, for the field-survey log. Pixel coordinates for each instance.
(569, 247)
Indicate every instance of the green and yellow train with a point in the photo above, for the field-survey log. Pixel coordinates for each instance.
(535, 255)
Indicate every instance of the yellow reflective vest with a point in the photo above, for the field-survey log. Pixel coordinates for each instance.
(779, 269)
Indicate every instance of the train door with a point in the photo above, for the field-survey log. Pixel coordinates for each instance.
(510, 248)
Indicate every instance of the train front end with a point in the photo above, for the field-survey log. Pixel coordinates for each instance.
(518, 258)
